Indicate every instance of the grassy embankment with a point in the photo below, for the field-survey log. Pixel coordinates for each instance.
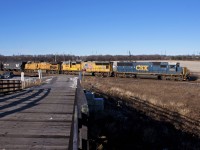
(174, 102)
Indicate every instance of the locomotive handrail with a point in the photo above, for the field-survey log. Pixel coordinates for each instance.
(7, 86)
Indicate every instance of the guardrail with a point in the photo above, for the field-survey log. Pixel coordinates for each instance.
(7, 86)
(80, 119)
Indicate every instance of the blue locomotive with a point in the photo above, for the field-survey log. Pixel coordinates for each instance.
(161, 70)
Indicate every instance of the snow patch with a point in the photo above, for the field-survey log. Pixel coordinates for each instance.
(74, 82)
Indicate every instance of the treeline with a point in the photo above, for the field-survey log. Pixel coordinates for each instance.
(60, 58)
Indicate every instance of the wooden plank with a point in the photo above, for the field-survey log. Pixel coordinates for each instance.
(33, 143)
(36, 117)
(35, 129)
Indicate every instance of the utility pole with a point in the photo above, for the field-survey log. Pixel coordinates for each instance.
(130, 56)
(55, 58)
(64, 56)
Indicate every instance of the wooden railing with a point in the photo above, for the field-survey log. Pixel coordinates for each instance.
(80, 120)
(7, 86)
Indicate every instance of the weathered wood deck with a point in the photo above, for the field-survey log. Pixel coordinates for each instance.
(38, 118)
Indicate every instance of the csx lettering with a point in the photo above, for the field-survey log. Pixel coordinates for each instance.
(141, 67)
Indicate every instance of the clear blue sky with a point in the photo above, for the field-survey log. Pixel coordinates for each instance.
(85, 27)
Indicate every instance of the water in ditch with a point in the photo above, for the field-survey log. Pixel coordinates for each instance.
(120, 128)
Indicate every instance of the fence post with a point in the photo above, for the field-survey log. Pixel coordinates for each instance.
(40, 75)
(22, 79)
(80, 76)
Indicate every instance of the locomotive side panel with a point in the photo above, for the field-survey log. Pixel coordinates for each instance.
(98, 68)
(95, 66)
(31, 67)
(75, 66)
(69, 67)
(44, 66)
(54, 68)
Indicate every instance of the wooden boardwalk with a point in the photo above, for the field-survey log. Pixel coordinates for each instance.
(38, 118)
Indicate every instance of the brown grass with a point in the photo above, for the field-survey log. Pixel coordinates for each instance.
(180, 98)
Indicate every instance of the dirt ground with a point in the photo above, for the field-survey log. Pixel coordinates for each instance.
(170, 101)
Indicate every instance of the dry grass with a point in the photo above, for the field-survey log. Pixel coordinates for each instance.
(182, 98)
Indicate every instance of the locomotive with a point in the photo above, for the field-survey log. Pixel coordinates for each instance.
(13, 66)
(98, 68)
(71, 67)
(161, 70)
(45, 67)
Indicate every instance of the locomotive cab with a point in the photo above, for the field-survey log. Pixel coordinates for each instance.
(173, 67)
(71, 67)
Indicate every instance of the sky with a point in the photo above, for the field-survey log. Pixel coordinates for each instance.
(99, 27)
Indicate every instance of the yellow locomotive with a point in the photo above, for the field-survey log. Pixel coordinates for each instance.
(31, 67)
(46, 67)
(71, 67)
(98, 68)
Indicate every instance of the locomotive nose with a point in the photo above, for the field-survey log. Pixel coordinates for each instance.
(186, 73)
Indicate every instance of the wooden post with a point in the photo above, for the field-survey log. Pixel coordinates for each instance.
(80, 76)
(40, 75)
(23, 80)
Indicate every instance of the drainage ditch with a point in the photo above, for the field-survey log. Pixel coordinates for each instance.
(116, 127)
